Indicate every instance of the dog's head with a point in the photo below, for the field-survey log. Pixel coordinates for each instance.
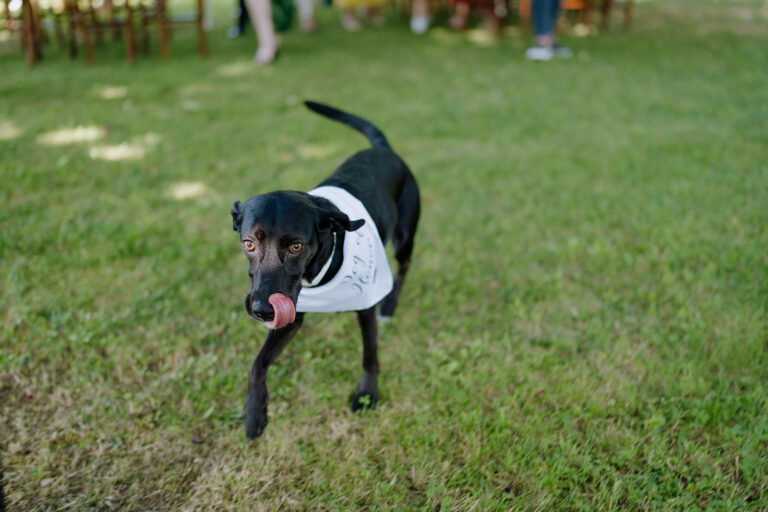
(281, 233)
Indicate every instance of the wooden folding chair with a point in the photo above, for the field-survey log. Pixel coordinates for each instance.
(157, 11)
(26, 21)
(84, 19)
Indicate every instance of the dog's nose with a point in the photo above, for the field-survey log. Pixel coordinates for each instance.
(262, 310)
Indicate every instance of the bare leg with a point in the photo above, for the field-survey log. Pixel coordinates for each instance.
(459, 19)
(261, 16)
(545, 39)
(306, 10)
(420, 8)
(373, 17)
(367, 393)
(256, 401)
(420, 16)
(349, 21)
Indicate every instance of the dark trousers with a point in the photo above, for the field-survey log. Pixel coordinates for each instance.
(243, 19)
(544, 14)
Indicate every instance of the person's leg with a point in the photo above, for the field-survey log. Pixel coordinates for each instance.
(306, 10)
(554, 12)
(419, 16)
(544, 14)
(560, 50)
(261, 16)
(460, 15)
(242, 18)
(349, 21)
(238, 28)
(373, 16)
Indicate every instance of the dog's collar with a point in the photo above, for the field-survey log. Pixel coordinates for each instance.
(324, 270)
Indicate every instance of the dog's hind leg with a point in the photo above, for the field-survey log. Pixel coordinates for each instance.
(408, 209)
(256, 401)
(367, 392)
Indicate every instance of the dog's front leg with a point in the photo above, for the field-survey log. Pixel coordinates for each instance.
(256, 401)
(367, 390)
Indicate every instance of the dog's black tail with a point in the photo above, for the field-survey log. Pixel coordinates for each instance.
(373, 134)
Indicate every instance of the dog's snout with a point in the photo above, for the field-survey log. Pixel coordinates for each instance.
(262, 310)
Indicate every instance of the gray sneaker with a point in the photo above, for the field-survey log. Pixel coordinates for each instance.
(562, 52)
(540, 53)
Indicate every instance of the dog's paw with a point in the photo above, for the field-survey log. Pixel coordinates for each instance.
(363, 400)
(255, 426)
(255, 418)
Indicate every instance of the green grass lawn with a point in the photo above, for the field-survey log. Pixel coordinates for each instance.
(583, 328)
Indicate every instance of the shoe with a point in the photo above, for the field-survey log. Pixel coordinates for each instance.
(562, 52)
(350, 22)
(419, 24)
(540, 53)
(234, 32)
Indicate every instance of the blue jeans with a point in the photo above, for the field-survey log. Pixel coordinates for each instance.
(544, 14)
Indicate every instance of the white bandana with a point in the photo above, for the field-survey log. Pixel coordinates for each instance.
(364, 278)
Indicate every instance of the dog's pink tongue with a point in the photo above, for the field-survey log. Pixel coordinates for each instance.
(285, 313)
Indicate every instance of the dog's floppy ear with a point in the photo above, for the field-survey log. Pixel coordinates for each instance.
(330, 217)
(335, 220)
(237, 215)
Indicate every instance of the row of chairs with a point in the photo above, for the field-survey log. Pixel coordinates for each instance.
(89, 22)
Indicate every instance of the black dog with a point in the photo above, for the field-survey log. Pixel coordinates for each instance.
(298, 241)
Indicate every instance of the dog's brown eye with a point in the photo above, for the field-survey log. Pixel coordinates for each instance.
(249, 246)
(296, 247)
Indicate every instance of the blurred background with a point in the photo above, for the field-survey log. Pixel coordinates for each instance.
(584, 323)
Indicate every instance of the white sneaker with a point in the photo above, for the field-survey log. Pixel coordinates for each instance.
(419, 24)
(540, 53)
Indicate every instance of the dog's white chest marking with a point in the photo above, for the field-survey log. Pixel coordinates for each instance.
(364, 278)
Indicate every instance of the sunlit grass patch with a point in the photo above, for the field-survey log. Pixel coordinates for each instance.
(445, 36)
(112, 92)
(135, 149)
(72, 135)
(188, 190)
(201, 89)
(316, 151)
(190, 105)
(237, 69)
(9, 130)
(482, 37)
